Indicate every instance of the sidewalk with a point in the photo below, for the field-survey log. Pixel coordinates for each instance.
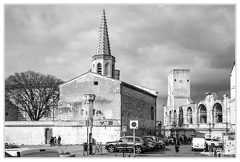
(72, 149)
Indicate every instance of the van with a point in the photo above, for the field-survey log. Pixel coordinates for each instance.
(32, 152)
(198, 144)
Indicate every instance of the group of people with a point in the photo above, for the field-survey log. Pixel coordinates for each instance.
(182, 140)
(55, 141)
(212, 149)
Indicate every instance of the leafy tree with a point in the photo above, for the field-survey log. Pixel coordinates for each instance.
(32, 92)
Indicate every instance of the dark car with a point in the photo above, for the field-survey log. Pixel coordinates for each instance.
(159, 143)
(127, 142)
(150, 143)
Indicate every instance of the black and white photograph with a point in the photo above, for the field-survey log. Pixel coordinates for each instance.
(119, 80)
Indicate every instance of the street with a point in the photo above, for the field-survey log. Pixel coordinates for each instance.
(168, 151)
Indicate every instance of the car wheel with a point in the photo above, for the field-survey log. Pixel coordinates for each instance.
(111, 148)
(138, 149)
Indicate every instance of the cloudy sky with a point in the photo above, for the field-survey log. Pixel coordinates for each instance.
(148, 41)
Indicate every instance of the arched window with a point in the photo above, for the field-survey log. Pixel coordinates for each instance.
(99, 68)
(170, 118)
(113, 70)
(217, 113)
(106, 69)
(180, 120)
(189, 115)
(174, 117)
(202, 111)
(152, 113)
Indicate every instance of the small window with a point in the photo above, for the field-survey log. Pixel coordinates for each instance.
(99, 68)
(175, 80)
(152, 113)
(6, 114)
(188, 80)
(95, 83)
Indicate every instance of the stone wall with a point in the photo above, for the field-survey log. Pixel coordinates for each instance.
(106, 104)
(137, 105)
(34, 133)
(181, 83)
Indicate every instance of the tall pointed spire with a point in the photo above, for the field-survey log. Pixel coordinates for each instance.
(103, 46)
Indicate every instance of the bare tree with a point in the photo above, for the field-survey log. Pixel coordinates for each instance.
(32, 92)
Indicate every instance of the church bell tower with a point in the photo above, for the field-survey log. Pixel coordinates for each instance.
(103, 62)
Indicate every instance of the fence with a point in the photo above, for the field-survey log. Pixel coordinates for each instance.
(92, 149)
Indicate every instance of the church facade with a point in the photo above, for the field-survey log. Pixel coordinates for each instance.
(116, 102)
(182, 117)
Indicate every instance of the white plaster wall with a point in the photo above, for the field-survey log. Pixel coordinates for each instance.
(24, 135)
(33, 133)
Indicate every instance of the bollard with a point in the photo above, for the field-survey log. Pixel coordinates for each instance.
(85, 147)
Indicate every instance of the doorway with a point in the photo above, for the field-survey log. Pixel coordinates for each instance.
(48, 135)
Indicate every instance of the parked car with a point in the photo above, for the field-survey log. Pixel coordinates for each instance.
(32, 152)
(165, 140)
(198, 143)
(127, 143)
(160, 143)
(214, 141)
(150, 143)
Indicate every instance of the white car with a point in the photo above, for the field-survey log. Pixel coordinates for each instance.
(215, 142)
(32, 152)
(198, 144)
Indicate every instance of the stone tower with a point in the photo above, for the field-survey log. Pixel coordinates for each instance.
(103, 62)
(178, 91)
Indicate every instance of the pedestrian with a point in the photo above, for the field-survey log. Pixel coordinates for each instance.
(185, 139)
(177, 146)
(206, 147)
(55, 140)
(51, 141)
(59, 140)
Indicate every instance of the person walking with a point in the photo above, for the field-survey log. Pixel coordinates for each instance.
(177, 146)
(206, 147)
(55, 140)
(51, 141)
(59, 141)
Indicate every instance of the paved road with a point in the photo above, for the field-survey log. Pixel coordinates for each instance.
(168, 151)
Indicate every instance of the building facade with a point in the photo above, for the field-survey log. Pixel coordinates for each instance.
(183, 117)
(116, 102)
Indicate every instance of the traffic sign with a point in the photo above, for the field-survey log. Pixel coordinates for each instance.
(133, 124)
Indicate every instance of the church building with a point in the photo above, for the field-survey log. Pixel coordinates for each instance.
(116, 102)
